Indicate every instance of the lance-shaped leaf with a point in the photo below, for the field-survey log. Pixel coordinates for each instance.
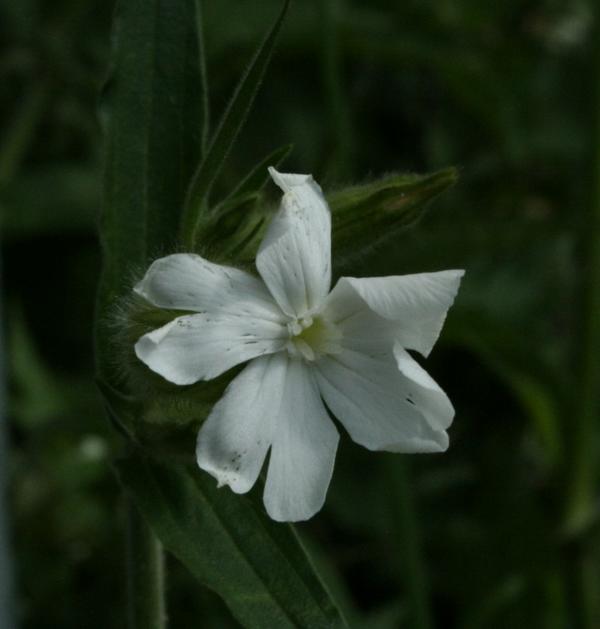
(234, 228)
(364, 216)
(258, 177)
(231, 124)
(258, 566)
(152, 112)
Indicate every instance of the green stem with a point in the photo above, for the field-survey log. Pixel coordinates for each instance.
(581, 506)
(583, 479)
(414, 574)
(145, 574)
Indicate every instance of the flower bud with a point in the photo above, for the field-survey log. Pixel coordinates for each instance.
(364, 216)
(232, 230)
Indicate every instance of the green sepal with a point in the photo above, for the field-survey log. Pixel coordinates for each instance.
(364, 216)
(142, 405)
(164, 425)
(232, 231)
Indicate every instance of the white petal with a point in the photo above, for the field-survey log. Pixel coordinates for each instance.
(203, 346)
(303, 451)
(185, 281)
(426, 394)
(294, 259)
(233, 442)
(416, 305)
(372, 399)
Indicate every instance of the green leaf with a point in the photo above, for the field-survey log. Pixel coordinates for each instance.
(230, 126)
(233, 229)
(203, 77)
(258, 566)
(153, 127)
(38, 397)
(258, 177)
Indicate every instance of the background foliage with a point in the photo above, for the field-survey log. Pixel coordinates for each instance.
(473, 538)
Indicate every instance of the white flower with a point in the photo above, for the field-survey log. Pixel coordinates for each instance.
(311, 352)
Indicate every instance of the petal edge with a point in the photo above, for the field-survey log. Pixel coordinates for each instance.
(294, 259)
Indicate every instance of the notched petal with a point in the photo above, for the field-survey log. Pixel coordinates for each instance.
(234, 440)
(294, 258)
(303, 451)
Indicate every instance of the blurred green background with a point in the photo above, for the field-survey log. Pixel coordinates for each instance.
(502, 90)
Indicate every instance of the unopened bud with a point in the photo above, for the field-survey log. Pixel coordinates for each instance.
(364, 216)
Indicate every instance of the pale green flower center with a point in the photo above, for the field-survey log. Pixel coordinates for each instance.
(312, 337)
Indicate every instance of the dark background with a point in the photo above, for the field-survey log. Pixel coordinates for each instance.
(501, 90)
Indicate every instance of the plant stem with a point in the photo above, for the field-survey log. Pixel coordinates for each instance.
(581, 579)
(6, 583)
(414, 574)
(145, 574)
(581, 507)
(583, 480)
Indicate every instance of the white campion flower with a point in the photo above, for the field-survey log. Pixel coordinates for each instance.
(311, 352)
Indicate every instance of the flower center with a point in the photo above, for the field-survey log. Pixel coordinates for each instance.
(311, 337)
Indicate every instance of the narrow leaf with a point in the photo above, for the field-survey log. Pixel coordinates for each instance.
(258, 566)
(203, 74)
(152, 135)
(258, 177)
(230, 126)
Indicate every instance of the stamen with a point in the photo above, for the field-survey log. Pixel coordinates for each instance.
(305, 349)
(311, 337)
(294, 327)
